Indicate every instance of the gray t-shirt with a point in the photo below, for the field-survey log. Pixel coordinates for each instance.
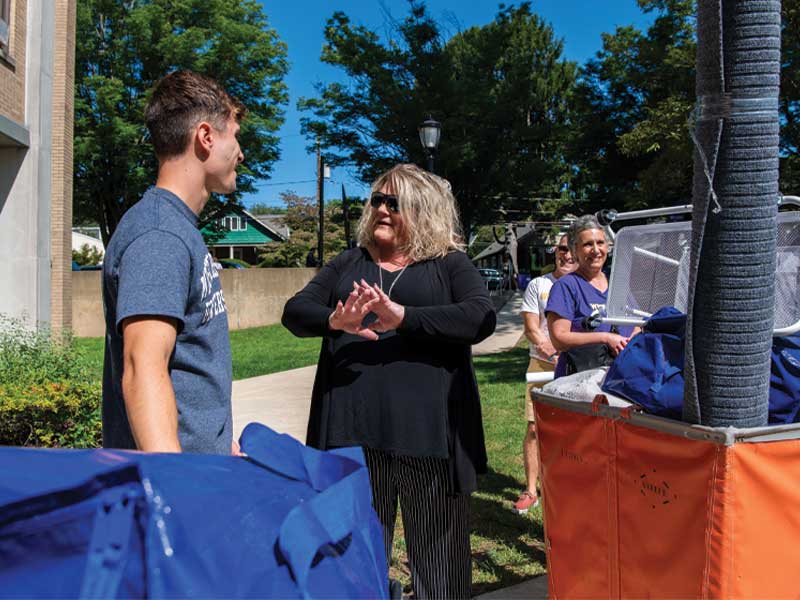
(157, 264)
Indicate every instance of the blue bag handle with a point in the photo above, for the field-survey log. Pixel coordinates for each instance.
(285, 455)
(342, 509)
(343, 506)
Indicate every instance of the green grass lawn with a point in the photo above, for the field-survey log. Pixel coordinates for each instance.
(507, 548)
(255, 351)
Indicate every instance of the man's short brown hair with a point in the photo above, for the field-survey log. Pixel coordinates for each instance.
(179, 102)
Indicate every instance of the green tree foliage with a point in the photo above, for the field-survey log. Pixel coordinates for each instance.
(790, 97)
(302, 218)
(87, 255)
(630, 143)
(259, 208)
(123, 48)
(499, 90)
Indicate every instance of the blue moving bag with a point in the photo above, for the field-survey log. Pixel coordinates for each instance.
(649, 371)
(784, 382)
(287, 522)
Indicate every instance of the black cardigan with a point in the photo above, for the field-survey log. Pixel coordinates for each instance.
(436, 339)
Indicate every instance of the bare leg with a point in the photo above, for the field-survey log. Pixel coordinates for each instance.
(530, 453)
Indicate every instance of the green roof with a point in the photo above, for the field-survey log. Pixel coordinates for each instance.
(242, 229)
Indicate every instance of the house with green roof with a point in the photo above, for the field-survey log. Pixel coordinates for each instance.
(235, 233)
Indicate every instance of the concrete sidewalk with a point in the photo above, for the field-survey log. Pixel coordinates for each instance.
(281, 401)
(508, 331)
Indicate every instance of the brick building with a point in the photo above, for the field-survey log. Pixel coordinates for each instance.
(37, 69)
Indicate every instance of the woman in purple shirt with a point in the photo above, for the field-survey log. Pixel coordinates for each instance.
(579, 294)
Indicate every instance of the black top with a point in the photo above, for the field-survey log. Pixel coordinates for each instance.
(413, 391)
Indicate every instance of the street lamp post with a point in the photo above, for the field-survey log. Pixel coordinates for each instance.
(323, 173)
(430, 132)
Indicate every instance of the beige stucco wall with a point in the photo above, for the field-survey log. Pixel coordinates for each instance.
(254, 297)
(87, 304)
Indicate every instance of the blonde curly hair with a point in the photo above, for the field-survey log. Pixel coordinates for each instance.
(431, 226)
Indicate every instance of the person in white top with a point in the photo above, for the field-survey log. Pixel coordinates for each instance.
(543, 359)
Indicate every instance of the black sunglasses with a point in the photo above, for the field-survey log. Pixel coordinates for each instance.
(562, 248)
(391, 202)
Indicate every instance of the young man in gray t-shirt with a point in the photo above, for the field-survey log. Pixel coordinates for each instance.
(167, 370)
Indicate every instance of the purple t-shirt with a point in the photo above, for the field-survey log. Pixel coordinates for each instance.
(574, 298)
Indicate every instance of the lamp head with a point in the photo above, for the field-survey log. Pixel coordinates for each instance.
(430, 132)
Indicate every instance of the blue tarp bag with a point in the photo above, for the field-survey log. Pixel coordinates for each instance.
(286, 522)
(649, 371)
(784, 383)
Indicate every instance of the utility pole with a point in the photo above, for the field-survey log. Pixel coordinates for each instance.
(346, 215)
(321, 204)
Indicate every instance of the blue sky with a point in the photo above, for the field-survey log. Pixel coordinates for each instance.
(300, 24)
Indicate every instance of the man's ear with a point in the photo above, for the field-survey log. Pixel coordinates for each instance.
(204, 138)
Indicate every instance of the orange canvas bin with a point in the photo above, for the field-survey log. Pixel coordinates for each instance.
(637, 506)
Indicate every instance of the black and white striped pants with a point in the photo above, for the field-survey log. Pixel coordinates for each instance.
(436, 524)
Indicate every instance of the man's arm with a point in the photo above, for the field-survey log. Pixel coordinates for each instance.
(535, 334)
(148, 342)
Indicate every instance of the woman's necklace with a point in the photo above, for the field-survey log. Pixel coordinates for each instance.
(380, 278)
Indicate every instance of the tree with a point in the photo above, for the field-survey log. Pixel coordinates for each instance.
(499, 90)
(259, 208)
(634, 108)
(790, 97)
(515, 88)
(631, 145)
(87, 255)
(302, 219)
(123, 48)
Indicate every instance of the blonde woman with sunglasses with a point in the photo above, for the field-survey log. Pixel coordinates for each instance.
(398, 316)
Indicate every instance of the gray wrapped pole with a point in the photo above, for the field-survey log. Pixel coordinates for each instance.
(734, 227)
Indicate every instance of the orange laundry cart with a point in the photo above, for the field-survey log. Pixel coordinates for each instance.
(639, 506)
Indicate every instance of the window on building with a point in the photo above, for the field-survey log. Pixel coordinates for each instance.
(5, 25)
(234, 223)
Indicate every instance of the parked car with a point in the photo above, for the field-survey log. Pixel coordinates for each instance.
(230, 264)
(492, 278)
(77, 267)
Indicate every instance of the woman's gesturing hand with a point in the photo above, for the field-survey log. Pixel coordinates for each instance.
(390, 314)
(348, 317)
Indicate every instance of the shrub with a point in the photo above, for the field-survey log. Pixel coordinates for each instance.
(47, 395)
(56, 415)
(33, 355)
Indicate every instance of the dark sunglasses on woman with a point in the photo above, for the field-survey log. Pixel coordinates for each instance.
(390, 201)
